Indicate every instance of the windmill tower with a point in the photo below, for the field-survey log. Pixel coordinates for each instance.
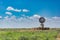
(42, 20)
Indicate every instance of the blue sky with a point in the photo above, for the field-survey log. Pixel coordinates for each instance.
(22, 12)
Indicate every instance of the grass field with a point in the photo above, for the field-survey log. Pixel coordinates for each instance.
(28, 35)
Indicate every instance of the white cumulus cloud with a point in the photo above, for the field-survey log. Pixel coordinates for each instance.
(10, 8)
(28, 22)
(9, 13)
(0, 17)
(55, 17)
(35, 16)
(6, 17)
(16, 10)
(25, 10)
(13, 9)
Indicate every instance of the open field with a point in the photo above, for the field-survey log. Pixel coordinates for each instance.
(26, 34)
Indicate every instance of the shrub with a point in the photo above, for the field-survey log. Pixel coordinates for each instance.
(35, 37)
(23, 38)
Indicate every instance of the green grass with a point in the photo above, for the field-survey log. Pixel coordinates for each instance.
(28, 35)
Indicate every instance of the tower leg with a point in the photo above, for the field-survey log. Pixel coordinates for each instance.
(42, 25)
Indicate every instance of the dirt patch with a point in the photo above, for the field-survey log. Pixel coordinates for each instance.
(58, 37)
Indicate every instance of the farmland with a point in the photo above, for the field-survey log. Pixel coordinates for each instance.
(19, 34)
